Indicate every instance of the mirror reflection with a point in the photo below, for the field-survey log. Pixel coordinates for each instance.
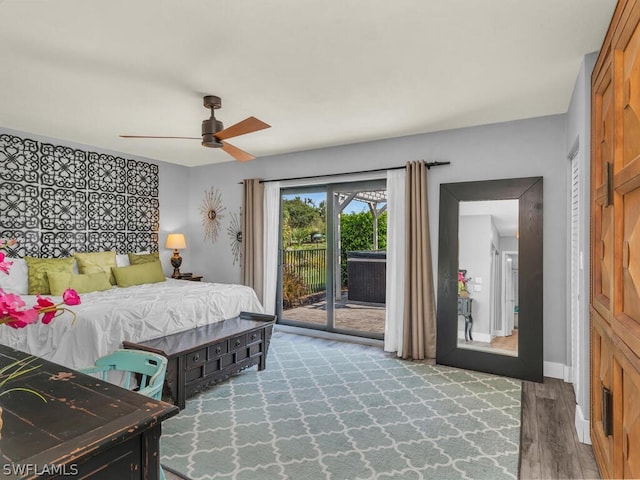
(488, 276)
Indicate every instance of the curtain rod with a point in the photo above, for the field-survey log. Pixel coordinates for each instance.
(429, 165)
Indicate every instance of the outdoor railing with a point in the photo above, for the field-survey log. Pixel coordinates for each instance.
(309, 265)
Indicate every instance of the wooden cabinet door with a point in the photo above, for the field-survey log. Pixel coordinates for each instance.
(601, 383)
(627, 188)
(615, 247)
(630, 424)
(602, 151)
(627, 416)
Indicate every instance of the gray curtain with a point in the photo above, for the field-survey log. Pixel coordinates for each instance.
(419, 332)
(252, 235)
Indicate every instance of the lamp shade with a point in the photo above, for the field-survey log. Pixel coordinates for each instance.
(176, 241)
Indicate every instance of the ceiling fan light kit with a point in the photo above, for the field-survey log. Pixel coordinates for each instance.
(214, 133)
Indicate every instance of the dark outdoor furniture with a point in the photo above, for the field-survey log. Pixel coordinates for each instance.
(207, 355)
(367, 271)
(86, 428)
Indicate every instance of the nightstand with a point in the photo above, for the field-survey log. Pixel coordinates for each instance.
(191, 278)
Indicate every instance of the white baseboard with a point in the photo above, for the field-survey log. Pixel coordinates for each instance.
(583, 429)
(568, 374)
(554, 370)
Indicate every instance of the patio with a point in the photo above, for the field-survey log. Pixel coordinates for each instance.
(349, 315)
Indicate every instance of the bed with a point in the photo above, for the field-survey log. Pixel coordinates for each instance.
(138, 313)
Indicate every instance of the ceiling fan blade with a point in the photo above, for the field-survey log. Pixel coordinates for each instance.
(248, 125)
(236, 152)
(153, 136)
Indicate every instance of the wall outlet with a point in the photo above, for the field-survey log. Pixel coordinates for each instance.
(478, 280)
(477, 288)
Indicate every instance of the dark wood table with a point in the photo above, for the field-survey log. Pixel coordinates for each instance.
(207, 355)
(86, 429)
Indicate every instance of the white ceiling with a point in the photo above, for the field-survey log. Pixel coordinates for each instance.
(321, 73)
(504, 213)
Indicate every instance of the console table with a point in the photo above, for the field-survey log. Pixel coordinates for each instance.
(206, 355)
(464, 309)
(86, 428)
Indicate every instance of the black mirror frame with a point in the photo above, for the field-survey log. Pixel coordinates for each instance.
(528, 365)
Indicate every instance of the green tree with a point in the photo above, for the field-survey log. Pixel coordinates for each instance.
(301, 219)
(301, 213)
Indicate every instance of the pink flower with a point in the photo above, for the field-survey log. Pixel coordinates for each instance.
(47, 308)
(13, 313)
(4, 266)
(71, 297)
(12, 307)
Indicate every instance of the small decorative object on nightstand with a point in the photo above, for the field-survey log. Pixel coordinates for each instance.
(177, 242)
(189, 276)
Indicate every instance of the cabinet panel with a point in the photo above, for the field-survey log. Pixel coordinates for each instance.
(630, 434)
(601, 174)
(631, 255)
(601, 386)
(627, 413)
(631, 97)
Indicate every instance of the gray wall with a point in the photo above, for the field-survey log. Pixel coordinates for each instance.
(173, 188)
(532, 147)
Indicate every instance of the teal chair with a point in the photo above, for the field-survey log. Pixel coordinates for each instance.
(149, 367)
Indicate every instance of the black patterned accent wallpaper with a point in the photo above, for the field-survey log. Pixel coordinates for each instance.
(57, 200)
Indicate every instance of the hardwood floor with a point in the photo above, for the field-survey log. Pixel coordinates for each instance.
(549, 446)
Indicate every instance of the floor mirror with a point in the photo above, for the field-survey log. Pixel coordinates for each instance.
(489, 310)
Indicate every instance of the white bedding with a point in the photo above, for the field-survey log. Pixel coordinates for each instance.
(105, 319)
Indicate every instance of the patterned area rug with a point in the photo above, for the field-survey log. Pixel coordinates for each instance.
(325, 410)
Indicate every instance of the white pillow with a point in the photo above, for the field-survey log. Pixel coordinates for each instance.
(18, 279)
(122, 260)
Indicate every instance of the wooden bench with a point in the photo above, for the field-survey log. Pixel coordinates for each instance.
(209, 354)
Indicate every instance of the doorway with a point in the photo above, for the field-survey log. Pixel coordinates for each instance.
(332, 269)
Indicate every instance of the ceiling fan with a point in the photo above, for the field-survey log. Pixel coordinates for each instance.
(214, 134)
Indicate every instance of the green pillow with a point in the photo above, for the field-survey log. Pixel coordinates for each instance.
(82, 283)
(38, 268)
(140, 258)
(150, 272)
(96, 262)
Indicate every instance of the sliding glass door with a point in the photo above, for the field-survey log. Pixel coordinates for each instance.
(303, 265)
(333, 259)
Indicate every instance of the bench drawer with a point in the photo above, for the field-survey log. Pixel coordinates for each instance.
(196, 358)
(218, 349)
(237, 342)
(254, 337)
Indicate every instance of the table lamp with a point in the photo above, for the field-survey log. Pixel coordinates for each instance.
(176, 241)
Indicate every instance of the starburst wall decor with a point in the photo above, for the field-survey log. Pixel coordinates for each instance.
(211, 211)
(234, 230)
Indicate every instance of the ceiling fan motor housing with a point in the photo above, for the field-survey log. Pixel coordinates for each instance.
(210, 127)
